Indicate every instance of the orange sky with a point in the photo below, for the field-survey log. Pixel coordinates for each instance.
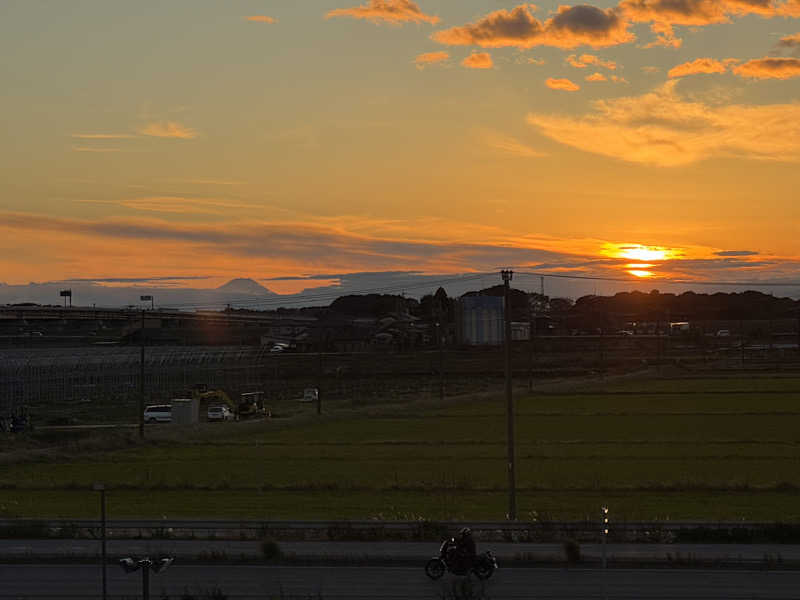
(285, 139)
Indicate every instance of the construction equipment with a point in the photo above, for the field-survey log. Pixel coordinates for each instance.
(251, 406)
(210, 397)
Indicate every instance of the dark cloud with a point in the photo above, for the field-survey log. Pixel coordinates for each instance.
(135, 279)
(571, 26)
(736, 253)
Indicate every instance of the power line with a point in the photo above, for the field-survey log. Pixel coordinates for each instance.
(661, 280)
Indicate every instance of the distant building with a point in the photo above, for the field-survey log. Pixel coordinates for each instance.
(479, 320)
(520, 331)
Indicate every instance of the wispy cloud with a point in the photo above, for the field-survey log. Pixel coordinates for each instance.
(508, 145)
(176, 204)
(529, 60)
(430, 58)
(652, 129)
(103, 136)
(584, 60)
(596, 77)
(261, 19)
(168, 129)
(789, 41)
(698, 65)
(394, 12)
(93, 149)
(478, 60)
(571, 26)
(207, 181)
(562, 84)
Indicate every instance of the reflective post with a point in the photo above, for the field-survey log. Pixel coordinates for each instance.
(99, 487)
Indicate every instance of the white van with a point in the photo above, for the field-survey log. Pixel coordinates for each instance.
(158, 413)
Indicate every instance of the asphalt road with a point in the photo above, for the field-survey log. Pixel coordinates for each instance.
(45, 582)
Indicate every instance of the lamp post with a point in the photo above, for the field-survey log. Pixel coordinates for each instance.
(99, 487)
(129, 565)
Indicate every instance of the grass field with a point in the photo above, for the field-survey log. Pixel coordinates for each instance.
(678, 449)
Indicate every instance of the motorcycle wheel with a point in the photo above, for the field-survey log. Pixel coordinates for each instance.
(435, 568)
(483, 569)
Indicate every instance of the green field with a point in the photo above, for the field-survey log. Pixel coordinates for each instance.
(677, 449)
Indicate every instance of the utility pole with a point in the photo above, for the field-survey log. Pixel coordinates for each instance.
(512, 484)
(141, 380)
(319, 378)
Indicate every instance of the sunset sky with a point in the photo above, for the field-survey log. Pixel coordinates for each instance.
(270, 139)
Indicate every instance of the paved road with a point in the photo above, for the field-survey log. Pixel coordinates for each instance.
(746, 553)
(46, 582)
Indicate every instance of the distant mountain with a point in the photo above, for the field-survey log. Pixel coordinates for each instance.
(244, 286)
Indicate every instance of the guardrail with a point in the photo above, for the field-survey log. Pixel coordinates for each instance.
(540, 531)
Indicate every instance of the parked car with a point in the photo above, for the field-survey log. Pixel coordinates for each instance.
(158, 413)
(310, 395)
(220, 413)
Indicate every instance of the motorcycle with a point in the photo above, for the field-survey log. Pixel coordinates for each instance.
(448, 560)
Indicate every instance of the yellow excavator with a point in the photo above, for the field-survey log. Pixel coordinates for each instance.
(210, 397)
(251, 406)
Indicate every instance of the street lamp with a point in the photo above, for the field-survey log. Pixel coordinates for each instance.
(129, 565)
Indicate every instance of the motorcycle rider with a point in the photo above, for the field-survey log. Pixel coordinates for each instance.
(465, 548)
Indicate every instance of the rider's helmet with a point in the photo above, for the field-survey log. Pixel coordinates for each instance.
(465, 533)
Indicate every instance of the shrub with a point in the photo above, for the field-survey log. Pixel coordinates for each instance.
(572, 550)
(270, 549)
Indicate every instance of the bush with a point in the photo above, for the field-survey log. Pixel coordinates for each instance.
(270, 549)
(572, 550)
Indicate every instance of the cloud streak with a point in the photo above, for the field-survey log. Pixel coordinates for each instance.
(394, 12)
(103, 136)
(508, 145)
(430, 58)
(176, 204)
(168, 129)
(261, 19)
(93, 149)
